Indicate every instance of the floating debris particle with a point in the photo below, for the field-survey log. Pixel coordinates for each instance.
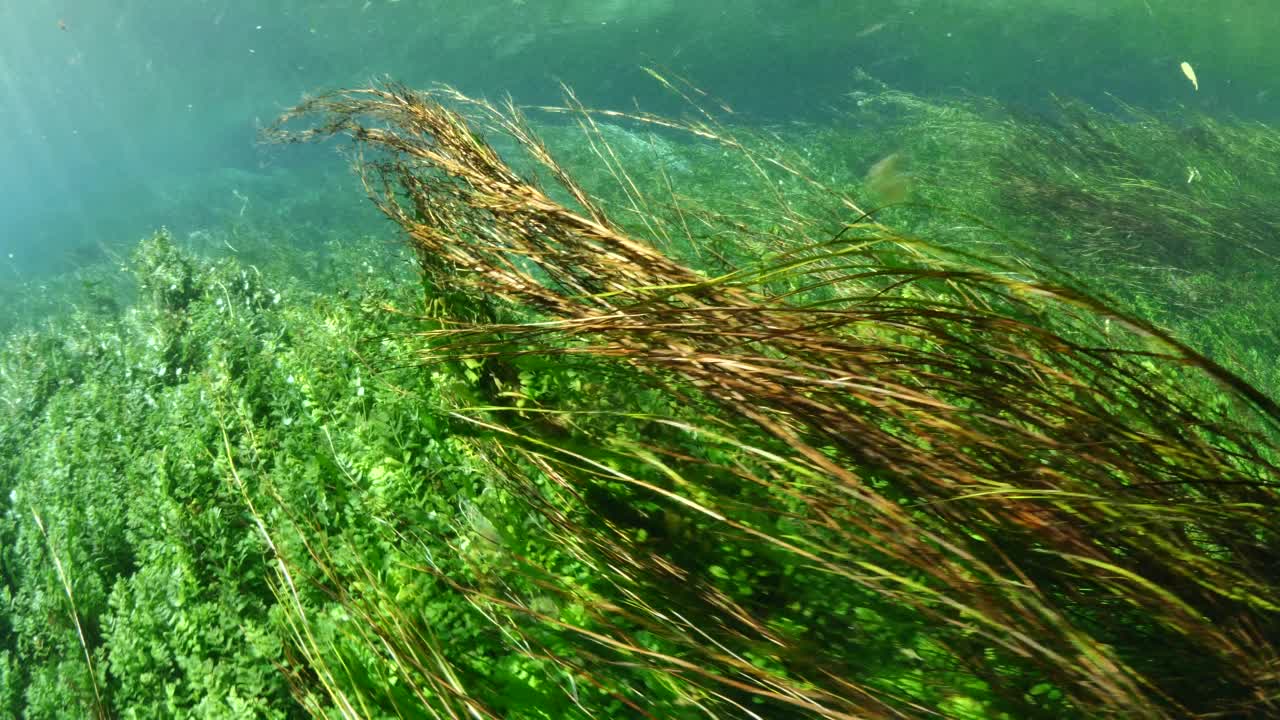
(1190, 72)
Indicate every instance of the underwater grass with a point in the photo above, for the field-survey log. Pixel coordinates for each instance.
(753, 452)
(1017, 514)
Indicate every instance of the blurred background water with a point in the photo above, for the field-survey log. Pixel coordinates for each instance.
(118, 116)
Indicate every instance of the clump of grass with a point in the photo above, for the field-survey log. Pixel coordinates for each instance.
(1184, 192)
(867, 477)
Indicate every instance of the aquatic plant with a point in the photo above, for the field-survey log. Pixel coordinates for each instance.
(651, 421)
(866, 477)
(1165, 215)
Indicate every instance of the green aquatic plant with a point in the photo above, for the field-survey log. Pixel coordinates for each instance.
(109, 433)
(867, 476)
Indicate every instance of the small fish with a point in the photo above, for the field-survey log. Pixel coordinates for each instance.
(888, 180)
(872, 30)
(1190, 72)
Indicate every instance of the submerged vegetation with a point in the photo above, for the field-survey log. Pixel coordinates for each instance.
(665, 419)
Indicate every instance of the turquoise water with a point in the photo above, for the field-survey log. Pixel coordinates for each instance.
(121, 116)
